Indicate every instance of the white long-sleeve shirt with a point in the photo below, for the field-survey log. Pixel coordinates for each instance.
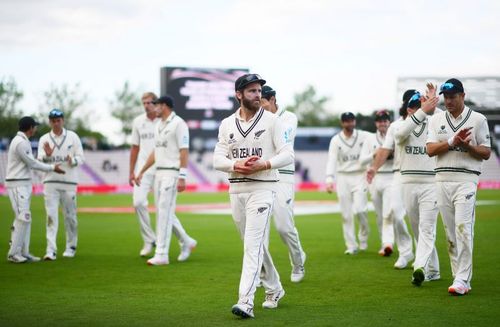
(64, 145)
(457, 165)
(265, 136)
(344, 153)
(370, 146)
(411, 136)
(20, 161)
(290, 121)
(143, 135)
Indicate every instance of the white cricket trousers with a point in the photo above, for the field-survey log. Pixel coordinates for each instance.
(351, 191)
(386, 196)
(20, 199)
(456, 201)
(421, 206)
(284, 223)
(53, 197)
(251, 214)
(140, 202)
(165, 190)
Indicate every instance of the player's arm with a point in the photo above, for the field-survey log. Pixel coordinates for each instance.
(380, 158)
(482, 150)
(77, 158)
(331, 165)
(134, 153)
(149, 162)
(221, 159)
(367, 151)
(24, 152)
(182, 134)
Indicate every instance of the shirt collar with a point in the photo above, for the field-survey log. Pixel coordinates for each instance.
(21, 134)
(63, 134)
(169, 119)
(238, 116)
(461, 116)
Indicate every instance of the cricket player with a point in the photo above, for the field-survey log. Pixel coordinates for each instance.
(388, 149)
(253, 144)
(460, 140)
(381, 187)
(283, 205)
(20, 161)
(417, 177)
(143, 144)
(171, 137)
(63, 147)
(344, 165)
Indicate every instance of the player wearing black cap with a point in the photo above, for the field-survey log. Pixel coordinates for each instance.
(63, 147)
(459, 139)
(344, 166)
(20, 161)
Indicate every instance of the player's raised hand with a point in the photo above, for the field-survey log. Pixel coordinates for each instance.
(57, 169)
(429, 104)
(431, 90)
(48, 150)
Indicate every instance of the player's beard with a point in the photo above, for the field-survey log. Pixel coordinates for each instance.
(252, 105)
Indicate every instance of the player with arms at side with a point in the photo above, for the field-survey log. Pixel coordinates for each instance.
(20, 161)
(253, 145)
(285, 195)
(143, 144)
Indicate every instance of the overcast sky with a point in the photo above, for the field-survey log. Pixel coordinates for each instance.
(351, 51)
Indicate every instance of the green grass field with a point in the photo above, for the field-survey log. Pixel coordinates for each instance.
(108, 284)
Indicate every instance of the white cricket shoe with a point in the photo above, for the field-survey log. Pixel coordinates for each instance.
(458, 288)
(272, 299)
(17, 258)
(403, 261)
(243, 310)
(432, 277)
(363, 246)
(31, 258)
(158, 260)
(351, 251)
(69, 253)
(186, 249)
(298, 274)
(146, 249)
(49, 256)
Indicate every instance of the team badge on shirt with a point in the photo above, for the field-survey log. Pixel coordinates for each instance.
(258, 134)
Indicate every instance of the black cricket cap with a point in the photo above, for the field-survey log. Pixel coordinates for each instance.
(246, 79)
(268, 92)
(56, 113)
(382, 115)
(165, 99)
(345, 116)
(26, 123)
(452, 86)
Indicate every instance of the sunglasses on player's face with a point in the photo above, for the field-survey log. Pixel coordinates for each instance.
(447, 86)
(414, 100)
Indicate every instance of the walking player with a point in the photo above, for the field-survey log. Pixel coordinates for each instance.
(63, 147)
(19, 187)
(171, 137)
(460, 140)
(343, 163)
(283, 204)
(143, 144)
(253, 144)
(417, 177)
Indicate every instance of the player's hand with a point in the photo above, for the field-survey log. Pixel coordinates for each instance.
(329, 187)
(460, 138)
(249, 166)
(138, 180)
(57, 169)
(181, 185)
(429, 104)
(370, 174)
(131, 179)
(431, 90)
(48, 150)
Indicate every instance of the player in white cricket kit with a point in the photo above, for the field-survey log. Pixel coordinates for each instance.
(417, 177)
(253, 144)
(388, 149)
(143, 144)
(171, 137)
(63, 147)
(344, 165)
(460, 140)
(285, 195)
(20, 161)
(381, 187)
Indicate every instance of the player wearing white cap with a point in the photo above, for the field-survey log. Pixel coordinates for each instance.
(460, 140)
(344, 165)
(171, 137)
(283, 204)
(63, 147)
(143, 144)
(253, 144)
(417, 177)
(385, 152)
(20, 161)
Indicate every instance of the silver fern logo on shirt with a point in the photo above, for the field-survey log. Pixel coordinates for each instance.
(258, 134)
